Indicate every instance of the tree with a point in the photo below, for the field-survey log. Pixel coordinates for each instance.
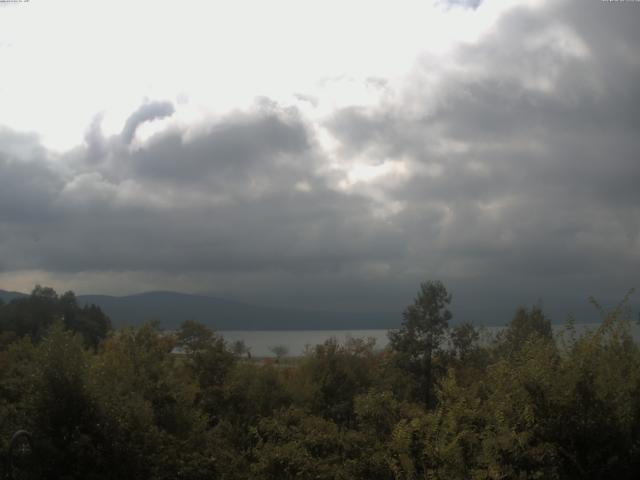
(34, 315)
(295, 444)
(209, 361)
(525, 326)
(64, 419)
(464, 340)
(194, 336)
(89, 320)
(279, 351)
(419, 338)
(331, 375)
(240, 349)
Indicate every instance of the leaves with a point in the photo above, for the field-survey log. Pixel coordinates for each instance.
(153, 404)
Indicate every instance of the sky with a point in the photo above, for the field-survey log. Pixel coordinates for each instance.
(323, 154)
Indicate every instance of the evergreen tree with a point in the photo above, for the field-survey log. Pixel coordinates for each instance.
(419, 339)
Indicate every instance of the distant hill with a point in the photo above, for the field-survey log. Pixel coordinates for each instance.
(6, 296)
(171, 308)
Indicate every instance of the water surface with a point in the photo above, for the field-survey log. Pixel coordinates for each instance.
(260, 342)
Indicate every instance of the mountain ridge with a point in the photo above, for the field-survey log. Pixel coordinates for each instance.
(172, 308)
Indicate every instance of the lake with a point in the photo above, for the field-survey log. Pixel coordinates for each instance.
(296, 341)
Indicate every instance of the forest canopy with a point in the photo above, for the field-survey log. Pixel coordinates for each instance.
(441, 401)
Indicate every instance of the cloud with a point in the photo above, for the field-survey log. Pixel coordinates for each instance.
(461, 3)
(239, 146)
(145, 113)
(224, 199)
(510, 172)
(27, 180)
(523, 159)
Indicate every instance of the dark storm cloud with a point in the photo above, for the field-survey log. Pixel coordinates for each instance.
(27, 181)
(527, 162)
(239, 146)
(242, 195)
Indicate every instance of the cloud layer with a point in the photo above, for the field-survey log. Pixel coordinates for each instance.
(511, 172)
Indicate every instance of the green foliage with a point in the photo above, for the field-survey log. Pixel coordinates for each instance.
(536, 412)
(208, 361)
(63, 411)
(253, 391)
(144, 403)
(525, 326)
(34, 315)
(293, 444)
(464, 341)
(194, 337)
(420, 337)
(331, 375)
(146, 406)
(17, 370)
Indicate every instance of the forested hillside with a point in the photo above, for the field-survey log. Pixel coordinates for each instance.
(437, 403)
(172, 308)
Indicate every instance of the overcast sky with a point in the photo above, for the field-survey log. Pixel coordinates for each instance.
(323, 154)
